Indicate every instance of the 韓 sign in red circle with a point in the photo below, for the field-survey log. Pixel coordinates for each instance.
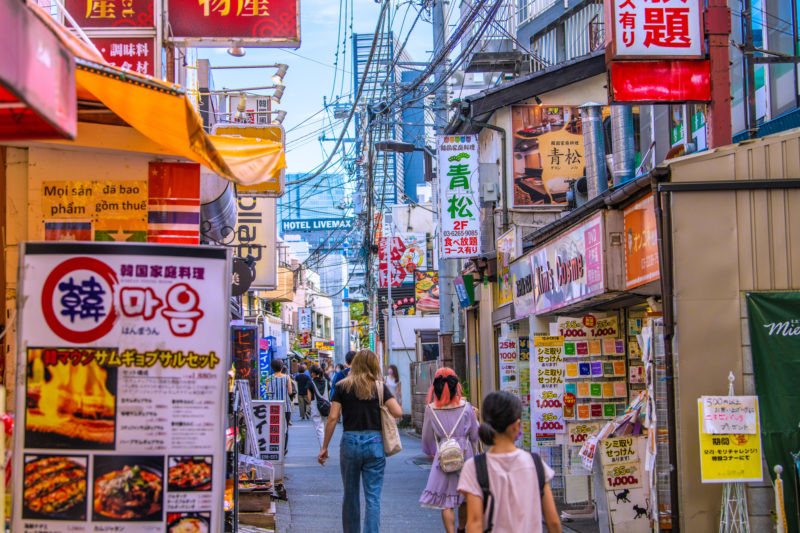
(50, 284)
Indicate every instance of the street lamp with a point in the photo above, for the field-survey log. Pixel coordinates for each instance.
(406, 148)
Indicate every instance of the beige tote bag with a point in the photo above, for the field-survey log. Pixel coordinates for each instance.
(389, 431)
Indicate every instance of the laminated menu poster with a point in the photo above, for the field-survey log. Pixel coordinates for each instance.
(123, 358)
(547, 385)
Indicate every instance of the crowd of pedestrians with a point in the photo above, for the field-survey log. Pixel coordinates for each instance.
(479, 480)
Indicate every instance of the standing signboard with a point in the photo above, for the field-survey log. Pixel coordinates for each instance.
(256, 236)
(459, 196)
(123, 358)
(569, 268)
(641, 243)
(730, 439)
(270, 430)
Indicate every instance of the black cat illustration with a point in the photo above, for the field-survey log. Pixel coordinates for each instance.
(640, 511)
(623, 496)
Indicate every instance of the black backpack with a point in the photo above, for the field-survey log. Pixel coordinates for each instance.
(482, 471)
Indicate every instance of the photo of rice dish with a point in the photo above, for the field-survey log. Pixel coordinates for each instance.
(188, 525)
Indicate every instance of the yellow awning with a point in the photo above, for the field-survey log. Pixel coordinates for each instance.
(161, 112)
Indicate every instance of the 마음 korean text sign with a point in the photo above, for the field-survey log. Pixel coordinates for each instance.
(459, 196)
(124, 359)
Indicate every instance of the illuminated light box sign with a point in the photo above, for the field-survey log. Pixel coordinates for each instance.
(317, 224)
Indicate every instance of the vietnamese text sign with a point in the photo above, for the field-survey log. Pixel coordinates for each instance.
(254, 22)
(459, 196)
(548, 153)
(408, 252)
(316, 224)
(729, 414)
(641, 243)
(657, 28)
(569, 268)
(729, 458)
(255, 237)
(126, 386)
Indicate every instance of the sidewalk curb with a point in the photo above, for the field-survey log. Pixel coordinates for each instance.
(411, 434)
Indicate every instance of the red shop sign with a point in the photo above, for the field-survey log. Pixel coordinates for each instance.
(112, 13)
(659, 81)
(252, 23)
(131, 53)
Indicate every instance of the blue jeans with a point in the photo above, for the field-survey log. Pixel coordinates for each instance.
(361, 458)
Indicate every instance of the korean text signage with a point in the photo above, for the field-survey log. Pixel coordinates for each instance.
(641, 243)
(253, 22)
(729, 457)
(548, 141)
(316, 224)
(126, 386)
(506, 253)
(255, 237)
(663, 28)
(112, 13)
(569, 268)
(459, 196)
(774, 324)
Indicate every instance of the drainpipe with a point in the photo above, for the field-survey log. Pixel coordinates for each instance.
(594, 149)
(503, 171)
(622, 143)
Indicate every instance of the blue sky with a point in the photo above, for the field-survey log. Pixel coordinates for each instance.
(311, 77)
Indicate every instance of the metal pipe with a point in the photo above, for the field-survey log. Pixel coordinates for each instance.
(594, 149)
(503, 170)
(622, 143)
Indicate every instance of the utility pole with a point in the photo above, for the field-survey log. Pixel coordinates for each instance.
(718, 29)
(447, 267)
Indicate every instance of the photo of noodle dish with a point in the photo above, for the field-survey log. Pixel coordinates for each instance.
(189, 473)
(54, 487)
(128, 488)
(188, 522)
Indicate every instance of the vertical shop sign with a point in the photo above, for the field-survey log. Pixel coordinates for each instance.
(408, 254)
(269, 420)
(125, 353)
(774, 318)
(508, 357)
(459, 210)
(569, 268)
(641, 243)
(426, 291)
(547, 384)
(255, 236)
(244, 347)
(304, 319)
(173, 215)
(522, 287)
(548, 153)
(506, 253)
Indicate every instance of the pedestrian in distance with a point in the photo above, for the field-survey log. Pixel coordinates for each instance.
(279, 387)
(507, 489)
(341, 374)
(393, 382)
(303, 379)
(361, 456)
(450, 427)
(317, 396)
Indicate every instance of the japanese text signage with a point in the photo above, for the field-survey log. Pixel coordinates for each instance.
(252, 22)
(730, 458)
(407, 253)
(506, 253)
(255, 237)
(658, 28)
(547, 384)
(729, 414)
(245, 351)
(569, 268)
(522, 287)
(304, 319)
(459, 196)
(124, 384)
(641, 243)
(131, 53)
(112, 13)
(269, 420)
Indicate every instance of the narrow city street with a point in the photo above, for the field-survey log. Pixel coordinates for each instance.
(315, 492)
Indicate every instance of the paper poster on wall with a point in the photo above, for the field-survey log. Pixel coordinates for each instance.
(734, 458)
(509, 378)
(547, 385)
(729, 414)
(506, 253)
(124, 352)
(588, 327)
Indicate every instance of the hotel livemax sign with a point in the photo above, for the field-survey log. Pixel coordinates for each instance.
(316, 224)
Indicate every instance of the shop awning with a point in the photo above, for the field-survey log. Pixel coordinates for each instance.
(37, 79)
(161, 112)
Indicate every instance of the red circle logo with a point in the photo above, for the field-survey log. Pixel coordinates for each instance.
(589, 321)
(59, 327)
(570, 399)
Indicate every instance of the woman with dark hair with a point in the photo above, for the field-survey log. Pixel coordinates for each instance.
(447, 416)
(317, 388)
(519, 499)
(361, 457)
(393, 382)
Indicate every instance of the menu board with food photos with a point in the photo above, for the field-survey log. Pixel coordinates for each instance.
(121, 401)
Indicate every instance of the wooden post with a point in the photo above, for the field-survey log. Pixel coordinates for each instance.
(718, 29)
